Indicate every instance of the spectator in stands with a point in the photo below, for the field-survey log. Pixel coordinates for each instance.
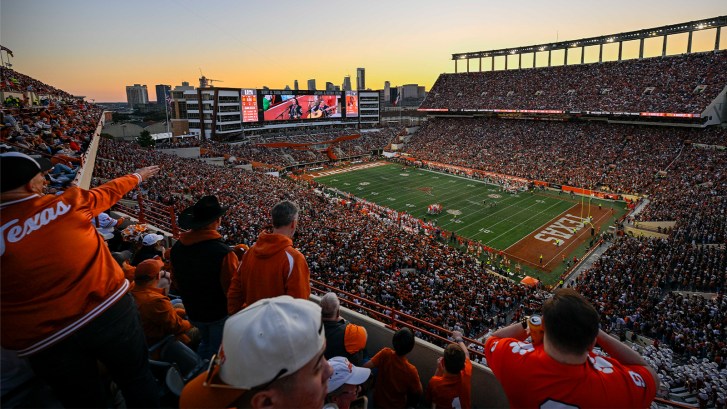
(397, 381)
(158, 316)
(108, 225)
(342, 338)
(62, 309)
(122, 258)
(272, 266)
(271, 356)
(564, 358)
(105, 223)
(450, 387)
(202, 265)
(152, 245)
(344, 386)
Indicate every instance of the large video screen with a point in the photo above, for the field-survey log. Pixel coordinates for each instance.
(300, 105)
(351, 104)
(248, 99)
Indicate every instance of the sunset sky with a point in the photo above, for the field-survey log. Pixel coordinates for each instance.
(97, 47)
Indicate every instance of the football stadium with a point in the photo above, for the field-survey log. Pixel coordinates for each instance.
(525, 226)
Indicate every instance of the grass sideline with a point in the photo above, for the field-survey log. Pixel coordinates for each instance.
(473, 209)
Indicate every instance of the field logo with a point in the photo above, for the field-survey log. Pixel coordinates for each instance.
(454, 212)
(364, 183)
(494, 196)
(563, 229)
(426, 189)
(403, 174)
(391, 198)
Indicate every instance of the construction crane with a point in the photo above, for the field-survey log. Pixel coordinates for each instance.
(204, 81)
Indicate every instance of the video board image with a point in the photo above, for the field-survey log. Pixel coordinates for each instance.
(351, 104)
(248, 99)
(300, 107)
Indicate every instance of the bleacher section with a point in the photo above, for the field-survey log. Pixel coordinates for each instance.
(676, 84)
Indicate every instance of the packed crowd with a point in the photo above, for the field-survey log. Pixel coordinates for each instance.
(694, 193)
(429, 280)
(13, 81)
(254, 151)
(619, 158)
(635, 283)
(623, 86)
(695, 377)
(60, 131)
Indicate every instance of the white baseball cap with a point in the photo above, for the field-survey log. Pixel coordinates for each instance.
(271, 339)
(151, 239)
(344, 372)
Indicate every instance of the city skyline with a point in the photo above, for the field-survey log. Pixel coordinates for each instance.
(97, 48)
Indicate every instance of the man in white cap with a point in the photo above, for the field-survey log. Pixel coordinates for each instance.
(152, 245)
(271, 356)
(344, 385)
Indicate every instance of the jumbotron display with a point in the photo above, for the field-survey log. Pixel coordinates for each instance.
(289, 105)
(351, 103)
(248, 98)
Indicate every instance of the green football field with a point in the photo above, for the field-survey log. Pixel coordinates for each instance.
(471, 208)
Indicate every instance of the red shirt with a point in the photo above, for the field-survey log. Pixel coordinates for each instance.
(396, 379)
(451, 391)
(531, 378)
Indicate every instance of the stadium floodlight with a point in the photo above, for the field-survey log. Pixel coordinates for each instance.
(700, 26)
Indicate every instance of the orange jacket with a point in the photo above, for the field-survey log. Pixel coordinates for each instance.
(158, 316)
(271, 267)
(57, 272)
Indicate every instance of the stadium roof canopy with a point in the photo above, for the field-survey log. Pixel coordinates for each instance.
(689, 27)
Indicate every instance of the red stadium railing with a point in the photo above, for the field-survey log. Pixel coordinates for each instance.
(155, 213)
(390, 317)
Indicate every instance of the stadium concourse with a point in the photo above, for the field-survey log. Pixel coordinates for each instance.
(642, 285)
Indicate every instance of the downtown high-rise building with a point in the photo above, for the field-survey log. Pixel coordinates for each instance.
(360, 78)
(346, 83)
(295, 85)
(387, 92)
(162, 92)
(312, 85)
(136, 94)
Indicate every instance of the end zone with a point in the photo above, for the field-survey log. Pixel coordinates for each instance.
(553, 242)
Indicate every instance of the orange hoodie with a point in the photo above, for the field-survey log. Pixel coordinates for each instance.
(57, 272)
(271, 267)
